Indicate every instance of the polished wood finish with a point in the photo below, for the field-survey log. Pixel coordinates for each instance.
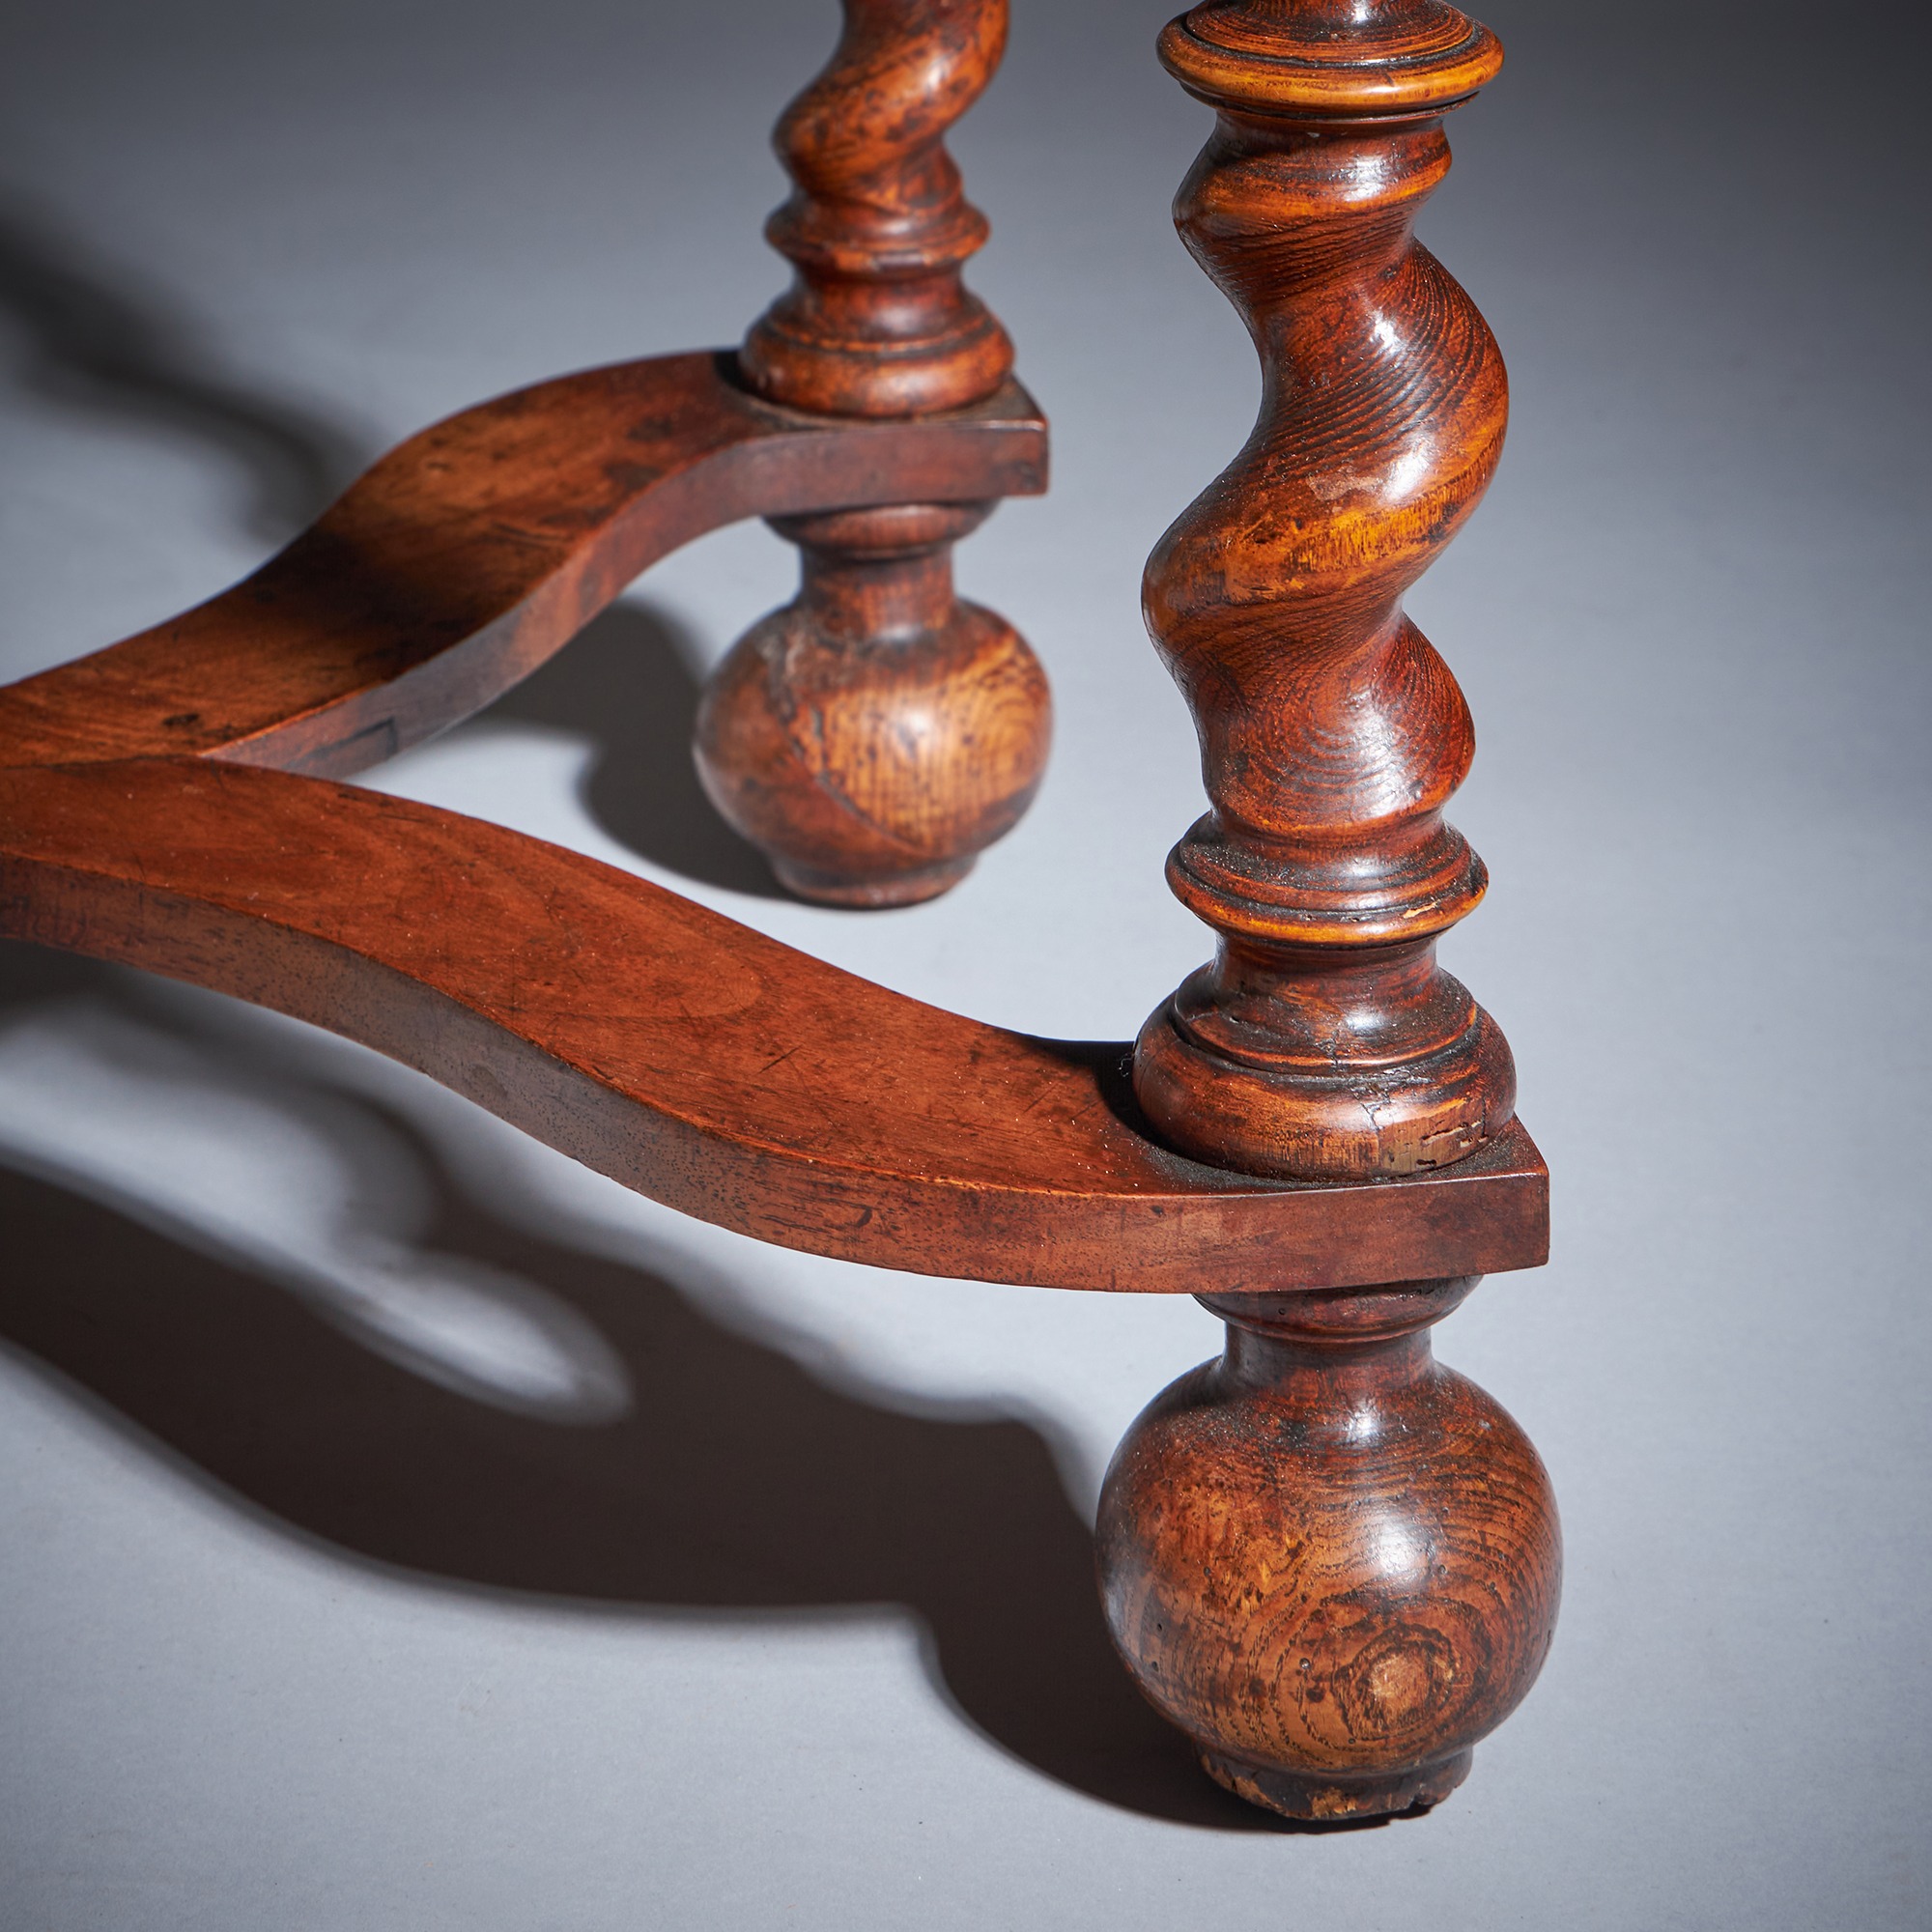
(689, 1058)
(877, 733)
(1333, 1564)
(877, 322)
(696, 1061)
(1325, 1040)
(476, 549)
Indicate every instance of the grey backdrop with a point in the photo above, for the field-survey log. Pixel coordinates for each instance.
(404, 1528)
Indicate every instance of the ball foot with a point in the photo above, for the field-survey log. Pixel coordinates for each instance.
(877, 733)
(1330, 1562)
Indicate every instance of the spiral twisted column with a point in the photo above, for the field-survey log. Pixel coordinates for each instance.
(874, 735)
(1335, 1565)
(1324, 1041)
(878, 322)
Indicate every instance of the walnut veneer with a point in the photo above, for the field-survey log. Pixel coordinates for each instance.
(1333, 1563)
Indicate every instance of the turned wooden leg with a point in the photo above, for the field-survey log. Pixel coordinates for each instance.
(874, 735)
(1324, 1041)
(1333, 1563)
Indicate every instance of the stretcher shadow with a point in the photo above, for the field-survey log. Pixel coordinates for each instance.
(735, 1483)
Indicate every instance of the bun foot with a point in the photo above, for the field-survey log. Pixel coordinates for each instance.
(1333, 1563)
(877, 733)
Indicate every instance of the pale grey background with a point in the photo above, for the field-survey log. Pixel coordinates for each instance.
(403, 1528)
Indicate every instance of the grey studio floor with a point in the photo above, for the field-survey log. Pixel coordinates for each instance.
(403, 1528)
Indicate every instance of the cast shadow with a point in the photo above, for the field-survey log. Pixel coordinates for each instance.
(97, 340)
(626, 682)
(734, 1482)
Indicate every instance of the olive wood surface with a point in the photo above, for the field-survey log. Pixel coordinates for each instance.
(877, 320)
(684, 1054)
(1331, 1561)
(1333, 1564)
(476, 549)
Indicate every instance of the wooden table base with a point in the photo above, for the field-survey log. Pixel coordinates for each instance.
(1333, 1563)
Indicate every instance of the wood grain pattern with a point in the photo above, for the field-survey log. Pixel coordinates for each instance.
(876, 734)
(684, 1054)
(877, 320)
(476, 549)
(1333, 1563)
(1323, 1039)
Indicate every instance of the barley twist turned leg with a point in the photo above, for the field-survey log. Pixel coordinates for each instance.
(1333, 1563)
(874, 735)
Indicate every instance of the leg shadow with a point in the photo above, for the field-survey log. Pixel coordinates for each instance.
(730, 1482)
(626, 683)
(97, 340)
(735, 1482)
